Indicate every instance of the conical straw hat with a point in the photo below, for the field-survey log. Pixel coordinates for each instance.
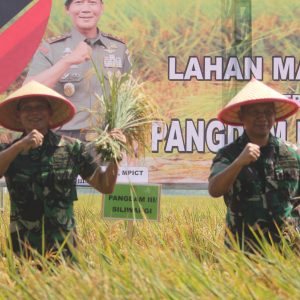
(62, 109)
(257, 92)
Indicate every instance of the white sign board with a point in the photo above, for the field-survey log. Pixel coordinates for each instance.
(133, 175)
(125, 175)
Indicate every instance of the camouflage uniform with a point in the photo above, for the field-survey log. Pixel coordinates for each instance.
(42, 188)
(261, 195)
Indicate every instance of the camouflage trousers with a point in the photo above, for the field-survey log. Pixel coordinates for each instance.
(48, 243)
(252, 240)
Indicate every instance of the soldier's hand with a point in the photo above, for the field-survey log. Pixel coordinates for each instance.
(81, 53)
(32, 140)
(250, 154)
(117, 134)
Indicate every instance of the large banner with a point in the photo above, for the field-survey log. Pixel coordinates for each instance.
(192, 57)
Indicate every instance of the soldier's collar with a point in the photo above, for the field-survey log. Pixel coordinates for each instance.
(53, 139)
(244, 140)
(78, 37)
(100, 40)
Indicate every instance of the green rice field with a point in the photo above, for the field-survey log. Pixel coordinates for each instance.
(181, 257)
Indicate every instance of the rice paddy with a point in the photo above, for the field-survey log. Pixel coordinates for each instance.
(182, 257)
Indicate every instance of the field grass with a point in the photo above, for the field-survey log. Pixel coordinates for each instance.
(182, 257)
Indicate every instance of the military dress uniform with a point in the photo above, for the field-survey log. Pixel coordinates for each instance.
(262, 195)
(42, 189)
(79, 83)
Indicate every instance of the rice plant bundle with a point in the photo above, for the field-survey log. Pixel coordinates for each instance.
(123, 105)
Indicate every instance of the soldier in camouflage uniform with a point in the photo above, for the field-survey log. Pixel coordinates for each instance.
(41, 168)
(258, 174)
(64, 62)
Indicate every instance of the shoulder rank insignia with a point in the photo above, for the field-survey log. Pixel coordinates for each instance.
(58, 38)
(112, 37)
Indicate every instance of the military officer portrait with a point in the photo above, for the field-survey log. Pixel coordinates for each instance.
(65, 63)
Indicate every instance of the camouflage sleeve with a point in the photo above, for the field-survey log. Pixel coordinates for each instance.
(86, 162)
(220, 162)
(127, 62)
(42, 60)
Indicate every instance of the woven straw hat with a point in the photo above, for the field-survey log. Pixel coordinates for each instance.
(62, 109)
(257, 92)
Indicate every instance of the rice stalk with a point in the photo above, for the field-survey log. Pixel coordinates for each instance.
(123, 105)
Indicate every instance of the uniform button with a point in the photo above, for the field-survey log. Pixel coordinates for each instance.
(69, 89)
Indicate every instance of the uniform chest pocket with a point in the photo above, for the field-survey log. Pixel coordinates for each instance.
(287, 180)
(69, 83)
(287, 174)
(64, 184)
(62, 160)
(291, 174)
(21, 188)
(63, 168)
(250, 183)
(287, 169)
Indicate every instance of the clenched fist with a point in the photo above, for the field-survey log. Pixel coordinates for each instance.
(250, 154)
(32, 140)
(81, 53)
